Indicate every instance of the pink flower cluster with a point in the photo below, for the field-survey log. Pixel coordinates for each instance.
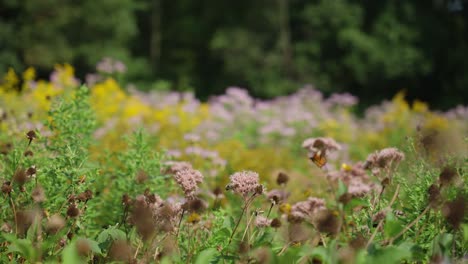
(383, 159)
(188, 179)
(323, 144)
(245, 183)
(306, 209)
(355, 178)
(262, 221)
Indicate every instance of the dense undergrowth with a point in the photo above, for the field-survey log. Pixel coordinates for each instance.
(100, 174)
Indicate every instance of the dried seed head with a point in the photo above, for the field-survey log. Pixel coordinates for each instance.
(126, 200)
(55, 224)
(194, 205)
(6, 187)
(31, 135)
(275, 223)
(82, 247)
(297, 233)
(141, 176)
(84, 196)
(262, 256)
(20, 177)
(73, 211)
(447, 175)
(379, 216)
(328, 222)
(71, 198)
(358, 242)
(28, 153)
(345, 198)
(38, 194)
(31, 171)
(218, 192)
(243, 248)
(24, 220)
(454, 211)
(434, 195)
(282, 178)
(6, 228)
(6, 148)
(121, 251)
(385, 182)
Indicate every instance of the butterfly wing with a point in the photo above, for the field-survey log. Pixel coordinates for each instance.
(319, 159)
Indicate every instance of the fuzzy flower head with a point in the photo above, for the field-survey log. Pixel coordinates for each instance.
(188, 179)
(245, 183)
(383, 159)
(323, 144)
(306, 209)
(262, 221)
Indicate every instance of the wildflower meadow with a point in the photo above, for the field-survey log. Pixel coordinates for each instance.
(92, 171)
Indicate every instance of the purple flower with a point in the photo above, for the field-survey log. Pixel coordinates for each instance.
(188, 179)
(245, 183)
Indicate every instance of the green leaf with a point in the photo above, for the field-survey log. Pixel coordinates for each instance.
(391, 254)
(207, 256)
(94, 246)
(342, 189)
(392, 226)
(70, 254)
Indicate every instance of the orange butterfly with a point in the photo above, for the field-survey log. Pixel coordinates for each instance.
(319, 159)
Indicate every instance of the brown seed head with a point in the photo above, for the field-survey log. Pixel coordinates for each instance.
(6, 187)
(6, 148)
(126, 200)
(20, 177)
(73, 211)
(454, 211)
(275, 223)
(55, 224)
(328, 222)
(282, 178)
(38, 194)
(31, 135)
(358, 242)
(121, 251)
(141, 176)
(31, 171)
(218, 192)
(447, 175)
(82, 247)
(434, 194)
(194, 205)
(25, 220)
(28, 153)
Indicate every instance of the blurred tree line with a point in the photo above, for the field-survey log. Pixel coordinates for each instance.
(272, 47)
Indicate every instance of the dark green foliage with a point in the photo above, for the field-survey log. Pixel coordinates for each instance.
(270, 47)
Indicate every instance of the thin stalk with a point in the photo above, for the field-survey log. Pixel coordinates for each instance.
(269, 211)
(180, 223)
(247, 203)
(14, 213)
(247, 227)
(390, 241)
(381, 221)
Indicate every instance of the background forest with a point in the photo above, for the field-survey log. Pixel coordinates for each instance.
(372, 49)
